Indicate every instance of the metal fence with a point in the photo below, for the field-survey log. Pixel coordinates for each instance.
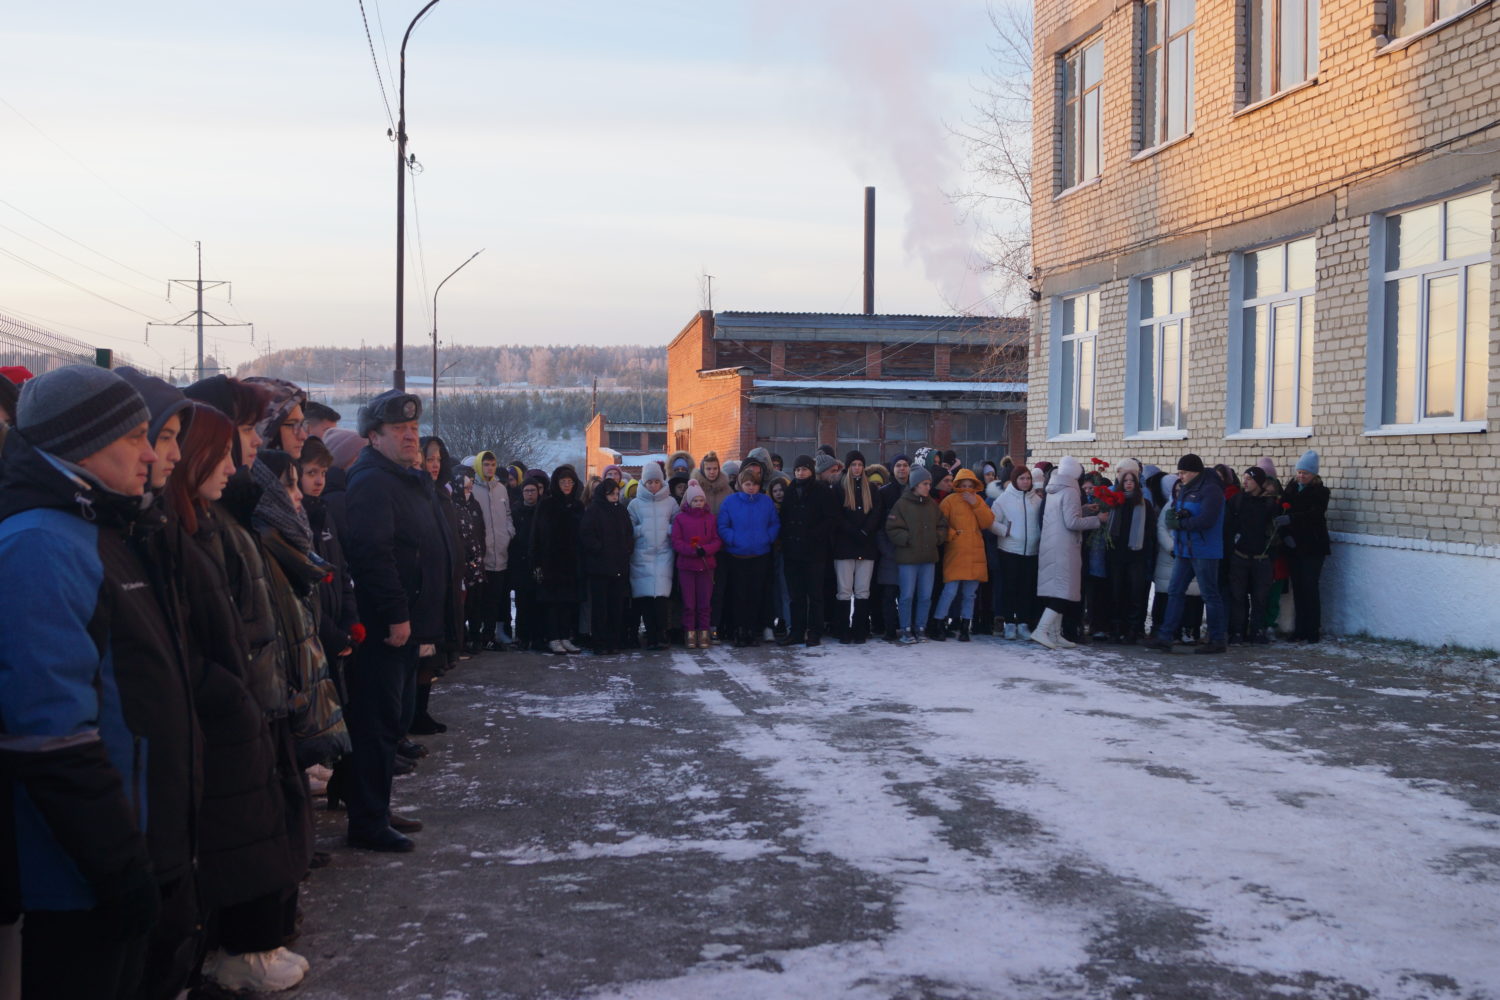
(41, 350)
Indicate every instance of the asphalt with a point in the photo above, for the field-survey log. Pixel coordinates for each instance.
(592, 824)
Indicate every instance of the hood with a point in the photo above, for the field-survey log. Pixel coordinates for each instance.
(601, 489)
(967, 476)
(660, 496)
(1068, 471)
(479, 466)
(283, 397)
(680, 463)
(163, 399)
(561, 472)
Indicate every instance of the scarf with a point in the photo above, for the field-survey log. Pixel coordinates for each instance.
(274, 509)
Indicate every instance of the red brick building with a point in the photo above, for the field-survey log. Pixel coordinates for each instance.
(883, 384)
(628, 445)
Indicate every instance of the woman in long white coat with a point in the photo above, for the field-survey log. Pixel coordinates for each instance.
(652, 559)
(1065, 520)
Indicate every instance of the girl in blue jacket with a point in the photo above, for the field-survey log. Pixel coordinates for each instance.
(748, 526)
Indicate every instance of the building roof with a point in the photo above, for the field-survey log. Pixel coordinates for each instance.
(869, 386)
(891, 394)
(862, 327)
(648, 428)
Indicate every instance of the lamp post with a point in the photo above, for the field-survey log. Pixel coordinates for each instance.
(398, 377)
(439, 288)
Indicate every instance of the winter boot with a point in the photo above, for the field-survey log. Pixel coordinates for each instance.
(423, 724)
(1010, 630)
(861, 620)
(1046, 630)
(936, 630)
(963, 629)
(1023, 631)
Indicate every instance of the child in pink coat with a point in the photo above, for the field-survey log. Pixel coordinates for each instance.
(695, 539)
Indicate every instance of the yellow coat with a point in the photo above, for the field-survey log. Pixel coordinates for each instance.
(963, 555)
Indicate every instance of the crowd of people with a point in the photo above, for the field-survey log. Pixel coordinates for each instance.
(222, 606)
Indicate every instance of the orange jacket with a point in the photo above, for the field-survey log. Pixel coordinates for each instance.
(963, 555)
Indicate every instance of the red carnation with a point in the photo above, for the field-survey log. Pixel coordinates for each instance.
(357, 633)
(1286, 506)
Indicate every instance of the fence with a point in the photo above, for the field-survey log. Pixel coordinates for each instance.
(40, 350)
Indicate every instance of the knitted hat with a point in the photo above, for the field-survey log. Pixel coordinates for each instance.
(11, 377)
(1190, 463)
(1258, 474)
(613, 468)
(900, 458)
(804, 462)
(73, 412)
(1267, 466)
(919, 475)
(163, 399)
(650, 471)
(693, 490)
(344, 444)
(824, 462)
(390, 407)
(826, 449)
(1307, 463)
(855, 455)
(1128, 465)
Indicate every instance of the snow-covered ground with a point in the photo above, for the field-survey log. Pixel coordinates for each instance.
(981, 820)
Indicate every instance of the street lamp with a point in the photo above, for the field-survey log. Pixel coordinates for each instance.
(398, 377)
(439, 288)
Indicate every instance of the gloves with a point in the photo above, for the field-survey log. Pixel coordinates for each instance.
(1281, 521)
(701, 553)
(129, 903)
(1290, 543)
(1174, 518)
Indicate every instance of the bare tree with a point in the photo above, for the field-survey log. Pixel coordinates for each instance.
(996, 136)
(477, 422)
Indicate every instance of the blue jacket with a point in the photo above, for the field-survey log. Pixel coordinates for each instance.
(748, 524)
(97, 731)
(1200, 519)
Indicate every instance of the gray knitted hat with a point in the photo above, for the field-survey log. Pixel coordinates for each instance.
(75, 411)
(824, 463)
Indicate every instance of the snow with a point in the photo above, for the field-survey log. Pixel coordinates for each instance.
(1161, 802)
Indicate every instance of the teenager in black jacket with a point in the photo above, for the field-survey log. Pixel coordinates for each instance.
(605, 542)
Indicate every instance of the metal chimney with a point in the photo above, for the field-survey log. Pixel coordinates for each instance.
(869, 251)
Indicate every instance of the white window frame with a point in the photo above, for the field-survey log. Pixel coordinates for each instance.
(1142, 386)
(1376, 390)
(1241, 333)
(1275, 13)
(1074, 110)
(1156, 132)
(1064, 426)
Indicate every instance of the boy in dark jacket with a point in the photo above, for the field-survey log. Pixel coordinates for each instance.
(1250, 527)
(804, 545)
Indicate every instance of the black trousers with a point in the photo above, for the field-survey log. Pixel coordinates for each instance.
(804, 582)
(1130, 583)
(654, 611)
(745, 605)
(496, 605)
(260, 924)
(562, 619)
(721, 588)
(1307, 601)
(608, 596)
(68, 953)
(530, 629)
(381, 685)
(1249, 586)
(1018, 588)
(1192, 613)
(890, 611)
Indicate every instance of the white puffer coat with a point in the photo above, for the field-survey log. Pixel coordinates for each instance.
(652, 560)
(1018, 520)
(1060, 568)
(1165, 561)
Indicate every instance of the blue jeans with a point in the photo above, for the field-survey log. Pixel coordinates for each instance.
(967, 589)
(1206, 571)
(916, 585)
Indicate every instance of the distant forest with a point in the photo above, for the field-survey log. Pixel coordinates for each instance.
(633, 365)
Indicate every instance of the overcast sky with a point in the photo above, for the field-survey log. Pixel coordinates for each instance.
(604, 154)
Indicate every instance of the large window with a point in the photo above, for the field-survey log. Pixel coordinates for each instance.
(859, 430)
(1435, 352)
(1161, 352)
(1083, 78)
(788, 431)
(979, 436)
(1281, 47)
(1167, 71)
(906, 431)
(1410, 16)
(1074, 381)
(1276, 369)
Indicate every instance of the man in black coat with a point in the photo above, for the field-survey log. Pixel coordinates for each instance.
(400, 558)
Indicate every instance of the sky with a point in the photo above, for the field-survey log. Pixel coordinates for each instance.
(604, 157)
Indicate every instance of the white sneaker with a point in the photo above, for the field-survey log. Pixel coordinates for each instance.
(556, 646)
(1023, 632)
(1010, 630)
(258, 971)
(568, 647)
(296, 958)
(768, 636)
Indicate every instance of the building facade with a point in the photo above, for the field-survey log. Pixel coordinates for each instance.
(631, 446)
(1266, 226)
(882, 384)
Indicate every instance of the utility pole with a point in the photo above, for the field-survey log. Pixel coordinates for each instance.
(398, 377)
(198, 315)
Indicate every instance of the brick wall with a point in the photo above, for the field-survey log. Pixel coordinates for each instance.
(1318, 160)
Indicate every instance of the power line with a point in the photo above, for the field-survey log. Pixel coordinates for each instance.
(75, 242)
(122, 195)
(79, 263)
(384, 99)
(416, 214)
(73, 284)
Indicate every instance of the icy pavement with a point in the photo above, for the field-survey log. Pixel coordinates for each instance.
(987, 820)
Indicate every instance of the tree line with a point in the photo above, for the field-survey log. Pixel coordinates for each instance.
(633, 365)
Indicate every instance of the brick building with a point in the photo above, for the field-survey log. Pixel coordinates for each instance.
(628, 445)
(882, 384)
(1263, 226)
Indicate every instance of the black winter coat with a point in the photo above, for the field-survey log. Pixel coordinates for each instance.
(1308, 508)
(471, 537)
(1247, 523)
(335, 596)
(805, 521)
(519, 560)
(399, 551)
(554, 546)
(854, 530)
(606, 538)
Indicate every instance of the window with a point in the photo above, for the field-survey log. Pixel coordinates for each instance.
(906, 431)
(1167, 78)
(788, 431)
(1410, 16)
(1276, 366)
(1281, 45)
(1083, 78)
(979, 436)
(859, 430)
(1074, 387)
(1436, 323)
(1161, 352)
